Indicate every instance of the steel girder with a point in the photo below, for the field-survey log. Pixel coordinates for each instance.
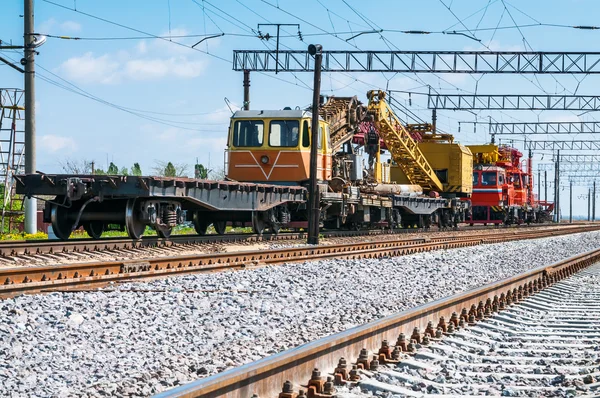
(511, 62)
(563, 145)
(544, 128)
(514, 102)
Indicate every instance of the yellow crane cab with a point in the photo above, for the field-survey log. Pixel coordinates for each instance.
(274, 146)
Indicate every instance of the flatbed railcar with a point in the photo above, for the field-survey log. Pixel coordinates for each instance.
(267, 171)
(130, 203)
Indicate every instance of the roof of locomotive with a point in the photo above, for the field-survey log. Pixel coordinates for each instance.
(487, 167)
(269, 114)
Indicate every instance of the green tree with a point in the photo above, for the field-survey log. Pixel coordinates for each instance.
(200, 171)
(170, 170)
(124, 171)
(136, 170)
(99, 172)
(113, 170)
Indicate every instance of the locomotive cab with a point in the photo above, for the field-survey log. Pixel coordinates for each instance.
(274, 147)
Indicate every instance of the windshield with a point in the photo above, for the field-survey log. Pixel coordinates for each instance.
(475, 178)
(517, 181)
(488, 178)
(284, 133)
(248, 133)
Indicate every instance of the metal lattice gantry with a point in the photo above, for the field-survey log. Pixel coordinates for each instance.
(506, 62)
(575, 145)
(582, 180)
(12, 154)
(580, 158)
(532, 128)
(513, 102)
(569, 167)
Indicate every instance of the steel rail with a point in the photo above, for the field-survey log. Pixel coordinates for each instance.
(29, 247)
(266, 377)
(35, 279)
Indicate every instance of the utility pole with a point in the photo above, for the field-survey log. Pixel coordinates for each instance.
(557, 178)
(313, 192)
(556, 191)
(246, 106)
(570, 201)
(29, 64)
(545, 186)
(589, 201)
(594, 203)
(539, 184)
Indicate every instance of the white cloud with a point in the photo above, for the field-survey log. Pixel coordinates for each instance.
(142, 47)
(54, 143)
(65, 27)
(70, 26)
(46, 25)
(113, 68)
(88, 68)
(142, 69)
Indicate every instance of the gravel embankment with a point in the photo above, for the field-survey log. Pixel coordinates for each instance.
(144, 338)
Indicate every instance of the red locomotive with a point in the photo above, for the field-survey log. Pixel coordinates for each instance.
(503, 189)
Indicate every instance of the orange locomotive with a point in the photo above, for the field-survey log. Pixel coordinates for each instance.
(274, 147)
(502, 189)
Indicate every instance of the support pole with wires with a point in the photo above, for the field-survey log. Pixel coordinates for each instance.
(29, 63)
(246, 106)
(539, 184)
(594, 202)
(545, 186)
(589, 202)
(313, 192)
(570, 201)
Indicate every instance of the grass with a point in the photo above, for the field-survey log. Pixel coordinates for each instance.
(81, 234)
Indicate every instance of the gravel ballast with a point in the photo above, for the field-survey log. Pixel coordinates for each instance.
(147, 337)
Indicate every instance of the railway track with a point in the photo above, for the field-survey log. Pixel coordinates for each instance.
(546, 345)
(91, 274)
(40, 247)
(534, 334)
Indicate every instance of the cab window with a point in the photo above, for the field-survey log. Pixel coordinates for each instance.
(248, 133)
(284, 133)
(320, 139)
(475, 178)
(305, 135)
(488, 178)
(500, 179)
(517, 181)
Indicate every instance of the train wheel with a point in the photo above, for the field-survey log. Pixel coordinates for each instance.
(164, 233)
(133, 225)
(220, 227)
(200, 225)
(275, 228)
(258, 223)
(60, 225)
(94, 229)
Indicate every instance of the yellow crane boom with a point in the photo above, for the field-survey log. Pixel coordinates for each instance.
(402, 146)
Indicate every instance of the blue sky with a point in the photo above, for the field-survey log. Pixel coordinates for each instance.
(161, 101)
